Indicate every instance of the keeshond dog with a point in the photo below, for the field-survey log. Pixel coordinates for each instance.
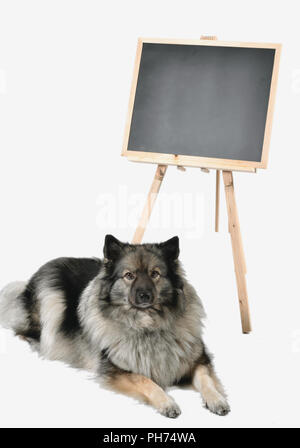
(132, 319)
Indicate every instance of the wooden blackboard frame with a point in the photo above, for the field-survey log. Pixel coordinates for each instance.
(194, 161)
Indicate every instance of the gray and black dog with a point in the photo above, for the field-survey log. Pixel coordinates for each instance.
(131, 318)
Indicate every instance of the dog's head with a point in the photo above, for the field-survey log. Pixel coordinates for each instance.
(145, 282)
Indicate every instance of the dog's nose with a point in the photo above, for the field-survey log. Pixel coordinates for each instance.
(143, 298)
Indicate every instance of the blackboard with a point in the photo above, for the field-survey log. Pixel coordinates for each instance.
(208, 101)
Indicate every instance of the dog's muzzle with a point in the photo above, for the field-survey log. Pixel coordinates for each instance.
(143, 298)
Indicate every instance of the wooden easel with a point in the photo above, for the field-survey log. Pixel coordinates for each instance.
(233, 224)
(234, 229)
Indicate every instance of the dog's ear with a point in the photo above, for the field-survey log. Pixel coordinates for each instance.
(170, 248)
(112, 248)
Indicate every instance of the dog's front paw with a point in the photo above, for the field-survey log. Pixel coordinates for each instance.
(218, 407)
(170, 409)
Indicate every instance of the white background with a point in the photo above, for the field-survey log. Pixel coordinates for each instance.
(65, 75)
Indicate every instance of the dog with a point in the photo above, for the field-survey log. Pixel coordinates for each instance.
(131, 318)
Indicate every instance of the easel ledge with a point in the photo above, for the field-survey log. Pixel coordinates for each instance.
(186, 161)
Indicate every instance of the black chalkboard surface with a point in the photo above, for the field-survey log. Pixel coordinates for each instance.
(202, 100)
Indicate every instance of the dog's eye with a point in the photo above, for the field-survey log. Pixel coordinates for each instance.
(155, 274)
(129, 276)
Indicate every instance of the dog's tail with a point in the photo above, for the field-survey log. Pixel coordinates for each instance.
(12, 312)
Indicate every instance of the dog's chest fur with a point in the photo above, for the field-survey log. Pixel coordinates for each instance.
(165, 357)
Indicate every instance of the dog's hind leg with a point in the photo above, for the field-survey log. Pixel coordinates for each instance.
(206, 382)
(144, 389)
(54, 344)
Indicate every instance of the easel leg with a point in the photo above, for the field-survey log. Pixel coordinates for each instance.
(152, 195)
(238, 251)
